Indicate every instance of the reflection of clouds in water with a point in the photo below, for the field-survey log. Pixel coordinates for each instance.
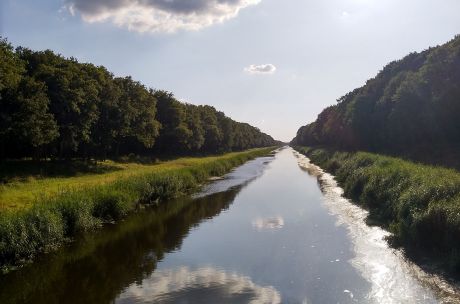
(204, 285)
(393, 279)
(268, 223)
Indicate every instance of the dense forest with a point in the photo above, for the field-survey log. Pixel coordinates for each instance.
(410, 109)
(56, 107)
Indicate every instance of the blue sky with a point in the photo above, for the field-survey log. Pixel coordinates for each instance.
(273, 63)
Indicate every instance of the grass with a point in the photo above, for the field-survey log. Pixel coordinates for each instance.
(39, 214)
(419, 204)
(144, 237)
(25, 188)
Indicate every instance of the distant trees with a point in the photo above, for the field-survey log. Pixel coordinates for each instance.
(411, 108)
(51, 106)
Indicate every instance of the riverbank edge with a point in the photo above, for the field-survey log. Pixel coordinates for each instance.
(418, 204)
(54, 221)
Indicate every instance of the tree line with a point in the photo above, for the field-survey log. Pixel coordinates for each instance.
(411, 108)
(56, 107)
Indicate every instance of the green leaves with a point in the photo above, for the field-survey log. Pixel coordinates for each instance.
(410, 108)
(56, 107)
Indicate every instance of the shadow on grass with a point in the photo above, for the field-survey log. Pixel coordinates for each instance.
(22, 170)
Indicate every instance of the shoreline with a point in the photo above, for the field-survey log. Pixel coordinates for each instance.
(368, 241)
(49, 224)
(367, 180)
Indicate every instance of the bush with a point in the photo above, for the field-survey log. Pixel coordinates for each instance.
(24, 234)
(112, 204)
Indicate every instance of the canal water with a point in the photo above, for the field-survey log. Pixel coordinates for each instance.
(275, 230)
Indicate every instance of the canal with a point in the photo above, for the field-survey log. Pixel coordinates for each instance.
(275, 230)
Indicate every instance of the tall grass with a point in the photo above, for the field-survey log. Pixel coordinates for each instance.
(419, 204)
(54, 219)
(22, 187)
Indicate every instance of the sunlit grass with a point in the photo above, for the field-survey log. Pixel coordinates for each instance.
(41, 213)
(25, 192)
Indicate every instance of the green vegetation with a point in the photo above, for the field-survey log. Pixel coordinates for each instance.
(410, 109)
(68, 206)
(60, 122)
(27, 182)
(54, 107)
(419, 204)
(144, 237)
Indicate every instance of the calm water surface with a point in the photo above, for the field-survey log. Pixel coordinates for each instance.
(271, 232)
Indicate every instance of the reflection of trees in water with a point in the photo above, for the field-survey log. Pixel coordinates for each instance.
(99, 266)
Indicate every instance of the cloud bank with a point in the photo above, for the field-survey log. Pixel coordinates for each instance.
(155, 16)
(260, 69)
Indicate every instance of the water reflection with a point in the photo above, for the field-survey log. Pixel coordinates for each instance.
(277, 233)
(276, 222)
(203, 285)
(98, 267)
(282, 240)
(393, 278)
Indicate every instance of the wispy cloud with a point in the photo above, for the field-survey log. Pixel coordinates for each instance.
(158, 15)
(260, 69)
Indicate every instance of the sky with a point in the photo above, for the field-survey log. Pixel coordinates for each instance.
(272, 63)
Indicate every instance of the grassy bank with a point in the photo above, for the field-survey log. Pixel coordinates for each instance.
(144, 237)
(419, 204)
(49, 211)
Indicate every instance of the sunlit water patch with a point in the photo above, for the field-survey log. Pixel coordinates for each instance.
(393, 278)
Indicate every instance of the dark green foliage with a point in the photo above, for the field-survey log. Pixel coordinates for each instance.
(188, 128)
(112, 204)
(56, 107)
(30, 124)
(76, 211)
(419, 204)
(11, 67)
(23, 234)
(409, 109)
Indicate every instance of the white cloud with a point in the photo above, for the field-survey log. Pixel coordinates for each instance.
(155, 16)
(260, 69)
(276, 222)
